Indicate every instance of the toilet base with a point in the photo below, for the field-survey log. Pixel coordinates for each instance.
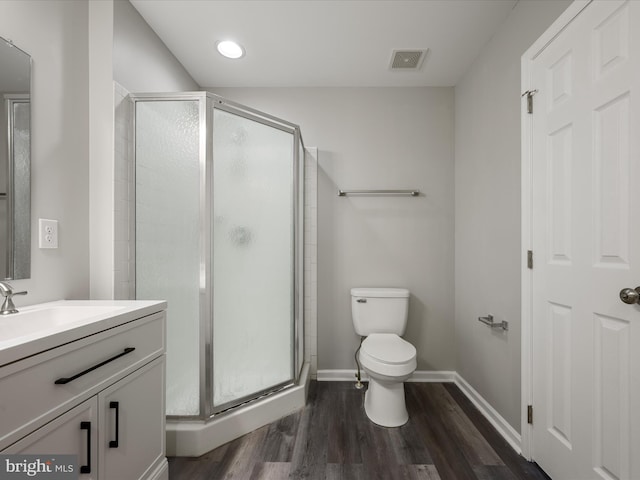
(384, 403)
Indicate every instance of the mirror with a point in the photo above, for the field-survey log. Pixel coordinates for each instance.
(15, 162)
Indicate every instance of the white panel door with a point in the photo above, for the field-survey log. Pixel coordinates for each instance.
(586, 244)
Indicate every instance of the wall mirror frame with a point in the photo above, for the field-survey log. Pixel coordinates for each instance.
(15, 162)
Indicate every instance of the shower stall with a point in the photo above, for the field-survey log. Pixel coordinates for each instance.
(218, 228)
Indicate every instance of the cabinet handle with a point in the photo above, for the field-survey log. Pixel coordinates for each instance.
(116, 405)
(65, 380)
(87, 426)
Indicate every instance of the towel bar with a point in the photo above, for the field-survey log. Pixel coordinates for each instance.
(344, 193)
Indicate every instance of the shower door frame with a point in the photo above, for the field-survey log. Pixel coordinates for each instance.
(251, 114)
(206, 103)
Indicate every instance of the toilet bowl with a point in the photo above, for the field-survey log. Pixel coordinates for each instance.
(388, 361)
(380, 315)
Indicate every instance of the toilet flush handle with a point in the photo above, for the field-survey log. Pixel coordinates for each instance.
(361, 300)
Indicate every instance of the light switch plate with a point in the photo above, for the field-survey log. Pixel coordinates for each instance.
(48, 233)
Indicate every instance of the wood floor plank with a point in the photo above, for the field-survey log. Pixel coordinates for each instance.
(474, 446)
(521, 468)
(377, 453)
(310, 453)
(242, 462)
(494, 472)
(409, 446)
(446, 438)
(210, 469)
(343, 441)
(203, 467)
(216, 455)
(271, 471)
(446, 453)
(345, 471)
(182, 467)
(280, 439)
(420, 472)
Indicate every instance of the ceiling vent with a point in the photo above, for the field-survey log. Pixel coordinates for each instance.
(407, 59)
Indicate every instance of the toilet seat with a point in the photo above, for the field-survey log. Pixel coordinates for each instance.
(388, 354)
(388, 348)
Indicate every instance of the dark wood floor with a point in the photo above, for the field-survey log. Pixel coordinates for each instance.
(331, 438)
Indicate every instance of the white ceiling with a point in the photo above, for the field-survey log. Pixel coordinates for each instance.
(303, 43)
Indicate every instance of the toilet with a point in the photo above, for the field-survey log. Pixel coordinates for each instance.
(380, 315)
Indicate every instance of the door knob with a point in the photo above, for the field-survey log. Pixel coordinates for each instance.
(629, 295)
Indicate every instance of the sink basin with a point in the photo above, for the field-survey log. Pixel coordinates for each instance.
(54, 318)
(44, 326)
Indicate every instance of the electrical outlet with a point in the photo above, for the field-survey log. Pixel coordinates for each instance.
(48, 233)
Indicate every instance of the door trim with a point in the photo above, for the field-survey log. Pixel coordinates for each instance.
(527, 228)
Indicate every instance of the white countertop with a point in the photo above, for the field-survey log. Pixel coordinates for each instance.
(47, 325)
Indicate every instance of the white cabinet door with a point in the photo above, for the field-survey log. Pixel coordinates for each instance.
(73, 433)
(132, 433)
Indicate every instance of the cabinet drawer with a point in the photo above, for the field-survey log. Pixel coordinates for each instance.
(29, 396)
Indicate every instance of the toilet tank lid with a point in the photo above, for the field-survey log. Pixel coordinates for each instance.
(379, 292)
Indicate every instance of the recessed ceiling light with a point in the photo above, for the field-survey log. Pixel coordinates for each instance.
(230, 49)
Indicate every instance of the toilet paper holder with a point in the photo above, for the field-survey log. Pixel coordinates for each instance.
(488, 320)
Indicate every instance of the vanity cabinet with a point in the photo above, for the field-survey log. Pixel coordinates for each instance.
(63, 436)
(100, 397)
(66, 436)
(132, 438)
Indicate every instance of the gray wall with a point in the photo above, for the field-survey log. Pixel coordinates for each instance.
(141, 61)
(125, 49)
(55, 34)
(367, 138)
(487, 208)
(378, 138)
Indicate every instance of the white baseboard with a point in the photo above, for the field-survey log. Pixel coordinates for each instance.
(418, 376)
(432, 376)
(503, 427)
(512, 437)
(338, 375)
(160, 472)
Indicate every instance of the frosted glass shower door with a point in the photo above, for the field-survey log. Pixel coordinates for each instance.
(253, 258)
(167, 172)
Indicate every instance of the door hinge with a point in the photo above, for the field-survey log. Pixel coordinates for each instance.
(529, 258)
(530, 414)
(529, 94)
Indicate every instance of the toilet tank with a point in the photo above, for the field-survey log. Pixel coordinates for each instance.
(379, 310)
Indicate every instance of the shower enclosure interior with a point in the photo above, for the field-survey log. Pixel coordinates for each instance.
(218, 216)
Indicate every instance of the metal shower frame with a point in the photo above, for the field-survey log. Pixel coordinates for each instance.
(207, 102)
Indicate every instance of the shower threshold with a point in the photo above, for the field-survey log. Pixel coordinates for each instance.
(193, 438)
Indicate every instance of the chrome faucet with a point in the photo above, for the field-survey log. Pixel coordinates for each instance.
(6, 290)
